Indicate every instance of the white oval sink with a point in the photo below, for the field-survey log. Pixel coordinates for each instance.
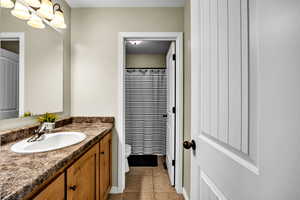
(50, 142)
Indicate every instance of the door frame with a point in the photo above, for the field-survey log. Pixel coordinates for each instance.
(120, 122)
(20, 36)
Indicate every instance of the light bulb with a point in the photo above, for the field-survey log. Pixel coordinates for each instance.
(33, 3)
(36, 22)
(20, 11)
(58, 20)
(6, 3)
(46, 9)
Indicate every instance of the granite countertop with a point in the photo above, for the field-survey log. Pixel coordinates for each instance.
(20, 174)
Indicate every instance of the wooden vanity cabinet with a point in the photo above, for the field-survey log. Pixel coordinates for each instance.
(88, 178)
(55, 190)
(105, 166)
(82, 177)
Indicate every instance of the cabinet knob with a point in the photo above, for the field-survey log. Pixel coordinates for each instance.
(189, 144)
(102, 152)
(73, 187)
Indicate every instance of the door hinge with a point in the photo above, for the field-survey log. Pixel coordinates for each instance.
(174, 110)
(173, 163)
(174, 56)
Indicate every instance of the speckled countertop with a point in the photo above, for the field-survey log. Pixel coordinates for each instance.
(20, 174)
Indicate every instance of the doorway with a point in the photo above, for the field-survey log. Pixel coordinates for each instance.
(172, 114)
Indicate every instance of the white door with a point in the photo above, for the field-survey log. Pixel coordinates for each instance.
(244, 57)
(170, 140)
(9, 84)
(219, 104)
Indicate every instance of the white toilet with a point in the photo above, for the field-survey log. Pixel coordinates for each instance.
(127, 154)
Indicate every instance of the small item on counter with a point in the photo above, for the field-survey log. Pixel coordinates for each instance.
(48, 121)
(27, 114)
(48, 117)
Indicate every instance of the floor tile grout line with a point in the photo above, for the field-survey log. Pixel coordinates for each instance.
(153, 195)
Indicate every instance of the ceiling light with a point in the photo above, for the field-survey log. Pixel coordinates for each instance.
(33, 3)
(20, 11)
(58, 20)
(135, 42)
(36, 22)
(46, 9)
(6, 3)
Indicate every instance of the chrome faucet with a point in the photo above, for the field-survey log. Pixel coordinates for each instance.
(38, 134)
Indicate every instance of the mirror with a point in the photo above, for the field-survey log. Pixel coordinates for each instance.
(31, 68)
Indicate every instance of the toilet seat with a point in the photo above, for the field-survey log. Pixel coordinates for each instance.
(127, 154)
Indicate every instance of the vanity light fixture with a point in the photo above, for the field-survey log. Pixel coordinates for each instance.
(33, 3)
(41, 11)
(46, 9)
(20, 11)
(36, 22)
(6, 3)
(58, 21)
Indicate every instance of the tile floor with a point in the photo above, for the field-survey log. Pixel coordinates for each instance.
(148, 183)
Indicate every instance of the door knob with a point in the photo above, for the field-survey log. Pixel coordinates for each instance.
(73, 187)
(189, 144)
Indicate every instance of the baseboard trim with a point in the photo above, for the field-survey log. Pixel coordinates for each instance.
(185, 195)
(115, 190)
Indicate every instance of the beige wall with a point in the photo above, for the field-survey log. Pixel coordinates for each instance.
(187, 95)
(37, 39)
(146, 60)
(94, 58)
(67, 59)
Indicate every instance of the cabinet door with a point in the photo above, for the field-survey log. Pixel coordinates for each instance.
(82, 177)
(105, 166)
(56, 190)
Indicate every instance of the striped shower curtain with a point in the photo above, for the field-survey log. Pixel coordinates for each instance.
(146, 103)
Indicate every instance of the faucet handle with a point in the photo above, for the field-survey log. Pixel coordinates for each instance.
(41, 127)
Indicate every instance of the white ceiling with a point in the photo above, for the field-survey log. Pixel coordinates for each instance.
(148, 47)
(126, 3)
